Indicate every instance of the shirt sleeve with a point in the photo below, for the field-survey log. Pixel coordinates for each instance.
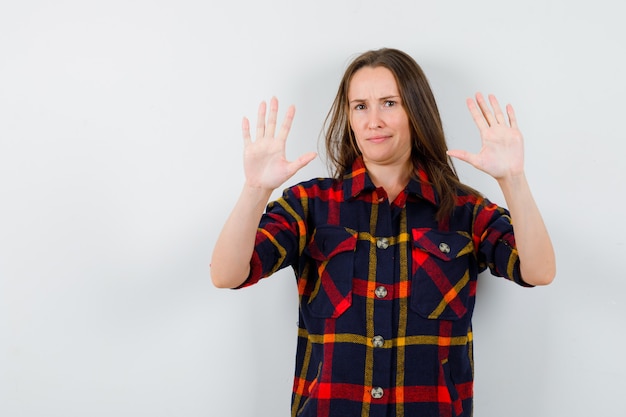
(280, 237)
(497, 250)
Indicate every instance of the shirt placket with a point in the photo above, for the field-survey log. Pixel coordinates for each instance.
(382, 312)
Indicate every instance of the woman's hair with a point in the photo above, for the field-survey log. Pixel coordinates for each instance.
(428, 149)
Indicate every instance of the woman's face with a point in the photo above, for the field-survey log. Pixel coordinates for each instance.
(377, 117)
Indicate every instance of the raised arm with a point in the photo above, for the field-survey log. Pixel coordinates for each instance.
(502, 157)
(266, 168)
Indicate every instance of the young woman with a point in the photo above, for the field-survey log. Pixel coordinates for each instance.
(386, 253)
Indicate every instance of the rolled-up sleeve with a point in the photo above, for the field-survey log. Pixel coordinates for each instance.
(278, 238)
(497, 250)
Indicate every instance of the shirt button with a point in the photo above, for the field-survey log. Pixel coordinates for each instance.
(444, 248)
(377, 392)
(378, 341)
(381, 292)
(382, 243)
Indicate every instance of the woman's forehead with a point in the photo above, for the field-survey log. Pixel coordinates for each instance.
(372, 83)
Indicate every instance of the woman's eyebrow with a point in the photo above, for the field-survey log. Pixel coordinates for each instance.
(388, 97)
(361, 100)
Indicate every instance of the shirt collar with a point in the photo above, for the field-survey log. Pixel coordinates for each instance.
(357, 181)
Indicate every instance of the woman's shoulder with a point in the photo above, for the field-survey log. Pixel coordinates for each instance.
(471, 200)
(314, 185)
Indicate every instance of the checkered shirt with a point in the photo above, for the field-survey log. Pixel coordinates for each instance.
(386, 293)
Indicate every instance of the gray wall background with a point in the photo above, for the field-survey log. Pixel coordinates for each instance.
(120, 157)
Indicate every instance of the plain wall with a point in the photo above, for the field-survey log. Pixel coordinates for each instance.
(120, 158)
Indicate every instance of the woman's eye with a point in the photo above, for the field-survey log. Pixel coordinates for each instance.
(359, 107)
(390, 103)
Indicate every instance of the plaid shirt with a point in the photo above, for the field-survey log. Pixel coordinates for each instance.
(386, 293)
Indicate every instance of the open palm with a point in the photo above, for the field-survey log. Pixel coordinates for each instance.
(502, 151)
(265, 163)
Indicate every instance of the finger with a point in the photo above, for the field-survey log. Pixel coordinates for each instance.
(477, 115)
(458, 154)
(496, 109)
(484, 108)
(260, 121)
(511, 113)
(301, 162)
(464, 156)
(271, 118)
(245, 131)
(286, 126)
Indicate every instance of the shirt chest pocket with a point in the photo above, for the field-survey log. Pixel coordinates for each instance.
(332, 250)
(442, 273)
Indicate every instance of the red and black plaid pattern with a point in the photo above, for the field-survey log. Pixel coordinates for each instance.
(386, 293)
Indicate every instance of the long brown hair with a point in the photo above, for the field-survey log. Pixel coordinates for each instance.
(428, 149)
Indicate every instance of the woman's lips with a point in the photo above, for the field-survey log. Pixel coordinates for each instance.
(378, 139)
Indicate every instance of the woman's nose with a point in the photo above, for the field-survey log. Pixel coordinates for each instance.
(374, 120)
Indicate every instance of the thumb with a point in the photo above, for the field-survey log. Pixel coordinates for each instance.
(302, 161)
(462, 155)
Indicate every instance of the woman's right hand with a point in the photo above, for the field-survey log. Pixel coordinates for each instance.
(265, 164)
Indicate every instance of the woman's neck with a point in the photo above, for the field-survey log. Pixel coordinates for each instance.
(392, 178)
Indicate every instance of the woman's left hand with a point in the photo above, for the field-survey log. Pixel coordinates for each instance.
(502, 151)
